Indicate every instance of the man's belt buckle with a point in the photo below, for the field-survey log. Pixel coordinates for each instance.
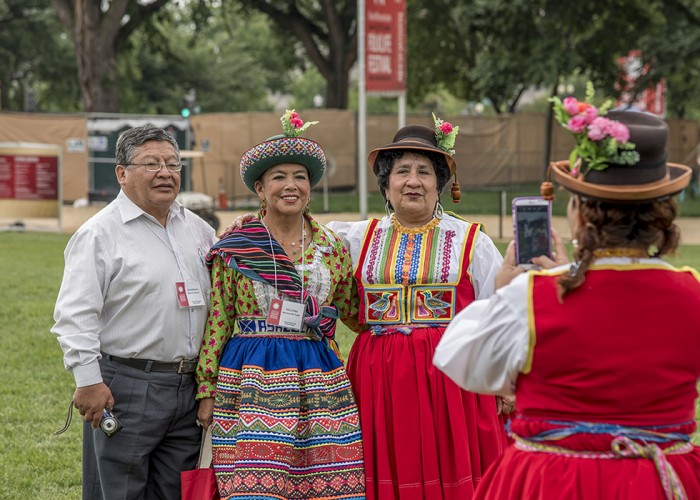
(181, 367)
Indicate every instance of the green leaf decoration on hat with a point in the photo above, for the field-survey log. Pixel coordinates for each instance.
(292, 125)
(445, 135)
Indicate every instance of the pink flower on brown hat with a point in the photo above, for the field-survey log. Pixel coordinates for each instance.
(571, 105)
(446, 127)
(590, 114)
(619, 131)
(577, 124)
(598, 129)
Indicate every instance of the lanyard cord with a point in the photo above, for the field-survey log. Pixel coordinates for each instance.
(274, 261)
(69, 417)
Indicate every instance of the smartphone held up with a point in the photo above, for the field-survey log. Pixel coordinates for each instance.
(532, 227)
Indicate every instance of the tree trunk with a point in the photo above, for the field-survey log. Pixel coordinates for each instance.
(97, 71)
(4, 94)
(337, 80)
(337, 91)
(331, 46)
(97, 35)
(548, 133)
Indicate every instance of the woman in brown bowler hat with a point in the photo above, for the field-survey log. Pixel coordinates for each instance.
(602, 354)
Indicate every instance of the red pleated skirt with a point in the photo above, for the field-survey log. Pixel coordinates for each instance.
(544, 476)
(423, 436)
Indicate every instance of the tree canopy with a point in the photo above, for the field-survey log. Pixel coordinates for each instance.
(143, 56)
(36, 58)
(325, 31)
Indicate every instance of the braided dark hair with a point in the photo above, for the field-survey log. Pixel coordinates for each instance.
(620, 225)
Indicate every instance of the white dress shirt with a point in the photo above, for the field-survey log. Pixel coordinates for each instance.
(118, 293)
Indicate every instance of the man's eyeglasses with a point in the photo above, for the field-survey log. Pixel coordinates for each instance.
(155, 167)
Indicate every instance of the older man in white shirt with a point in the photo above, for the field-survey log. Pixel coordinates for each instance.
(130, 317)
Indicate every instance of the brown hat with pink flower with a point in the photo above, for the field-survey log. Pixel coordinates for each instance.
(440, 140)
(619, 156)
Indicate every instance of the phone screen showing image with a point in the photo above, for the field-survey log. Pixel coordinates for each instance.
(532, 228)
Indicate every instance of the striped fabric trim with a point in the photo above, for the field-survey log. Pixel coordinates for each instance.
(255, 254)
(246, 250)
(531, 324)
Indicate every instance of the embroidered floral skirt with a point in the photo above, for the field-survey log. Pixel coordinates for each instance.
(424, 437)
(285, 422)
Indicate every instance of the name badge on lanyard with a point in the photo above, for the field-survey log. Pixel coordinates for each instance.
(287, 314)
(189, 294)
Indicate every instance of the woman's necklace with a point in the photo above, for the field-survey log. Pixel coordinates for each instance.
(291, 246)
(414, 230)
(633, 253)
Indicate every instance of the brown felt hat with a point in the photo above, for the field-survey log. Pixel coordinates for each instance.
(649, 179)
(413, 137)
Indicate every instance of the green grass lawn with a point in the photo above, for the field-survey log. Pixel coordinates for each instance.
(35, 389)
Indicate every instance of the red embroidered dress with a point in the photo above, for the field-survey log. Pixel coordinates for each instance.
(606, 386)
(423, 437)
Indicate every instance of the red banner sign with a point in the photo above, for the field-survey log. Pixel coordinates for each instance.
(28, 177)
(652, 99)
(385, 46)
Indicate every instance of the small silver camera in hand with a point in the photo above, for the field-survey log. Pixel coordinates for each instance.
(109, 423)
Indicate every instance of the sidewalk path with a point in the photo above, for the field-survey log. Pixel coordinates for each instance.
(501, 230)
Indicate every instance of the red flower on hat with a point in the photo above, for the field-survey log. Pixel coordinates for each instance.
(292, 125)
(446, 127)
(445, 135)
(296, 122)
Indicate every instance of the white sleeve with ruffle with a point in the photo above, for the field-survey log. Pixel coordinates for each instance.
(486, 345)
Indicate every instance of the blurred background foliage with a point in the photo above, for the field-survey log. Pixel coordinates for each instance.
(464, 56)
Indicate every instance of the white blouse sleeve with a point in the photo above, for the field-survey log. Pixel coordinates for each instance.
(484, 265)
(486, 345)
(351, 234)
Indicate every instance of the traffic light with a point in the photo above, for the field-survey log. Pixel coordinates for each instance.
(189, 104)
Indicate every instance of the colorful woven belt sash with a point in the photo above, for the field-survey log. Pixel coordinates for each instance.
(258, 326)
(622, 446)
(403, 329)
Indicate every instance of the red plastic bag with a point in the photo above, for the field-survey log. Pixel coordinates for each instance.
(200, 483)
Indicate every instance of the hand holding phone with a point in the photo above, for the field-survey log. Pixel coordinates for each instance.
(532, 226)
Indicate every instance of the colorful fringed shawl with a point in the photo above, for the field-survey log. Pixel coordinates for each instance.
(255, 254)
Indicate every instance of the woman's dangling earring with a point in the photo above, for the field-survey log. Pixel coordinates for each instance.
(263, 206)
(387, 208)
(307, 207)
(438, 212)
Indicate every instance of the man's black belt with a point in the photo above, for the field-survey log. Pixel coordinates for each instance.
(147, 365)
